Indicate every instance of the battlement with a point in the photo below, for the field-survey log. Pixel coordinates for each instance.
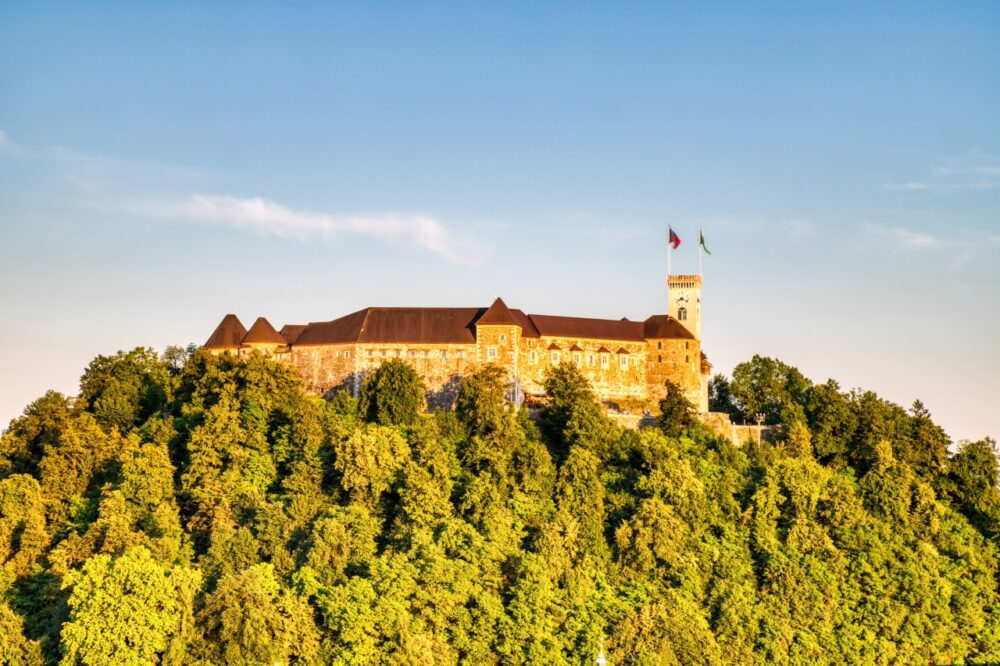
(684, 281)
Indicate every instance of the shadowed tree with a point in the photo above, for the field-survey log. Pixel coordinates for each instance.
(481, 403)
(677, 413)
(392, 395)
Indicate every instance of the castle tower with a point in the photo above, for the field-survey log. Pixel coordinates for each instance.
(684, 301)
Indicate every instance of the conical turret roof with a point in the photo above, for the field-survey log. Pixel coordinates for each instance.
(228, 333)
(262, 331)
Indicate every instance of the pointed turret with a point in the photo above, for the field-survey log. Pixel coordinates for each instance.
(497, 314)
(262, 333)
(227, 335)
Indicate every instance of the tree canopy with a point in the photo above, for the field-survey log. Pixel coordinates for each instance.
(187, 508)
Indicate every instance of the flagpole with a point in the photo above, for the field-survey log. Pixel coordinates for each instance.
(700, 236)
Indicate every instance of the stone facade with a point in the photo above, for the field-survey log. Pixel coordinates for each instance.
(622, 359)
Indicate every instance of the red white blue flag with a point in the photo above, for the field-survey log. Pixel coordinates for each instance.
(674, 239)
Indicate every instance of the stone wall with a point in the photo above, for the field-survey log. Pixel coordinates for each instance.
(637, 374)
(737, 434)
(611, 375)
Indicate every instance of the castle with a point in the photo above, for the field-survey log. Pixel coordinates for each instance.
(622, 359)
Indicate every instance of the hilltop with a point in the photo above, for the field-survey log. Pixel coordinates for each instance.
(190, 508)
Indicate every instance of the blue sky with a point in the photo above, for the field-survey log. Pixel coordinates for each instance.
(164, 164)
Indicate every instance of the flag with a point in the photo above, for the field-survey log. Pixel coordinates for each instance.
(674, 240)
(702, 241)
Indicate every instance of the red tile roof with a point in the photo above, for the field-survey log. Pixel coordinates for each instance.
(497, 314)
(262, 331)
(582, 327)
(665, 326)
(227, 334)
(291, 332)
(449, 326)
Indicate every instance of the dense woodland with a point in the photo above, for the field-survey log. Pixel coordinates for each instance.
(192, 509)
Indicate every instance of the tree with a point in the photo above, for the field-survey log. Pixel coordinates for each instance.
(677, 413)
(369, 461)
(765, 385)
(393, 394)
(481, 402)
(125, 610)
(974, 477)
(572, 412)
(124, 390)
(250, 619)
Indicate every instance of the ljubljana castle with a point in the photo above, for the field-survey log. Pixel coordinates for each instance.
(622, 359)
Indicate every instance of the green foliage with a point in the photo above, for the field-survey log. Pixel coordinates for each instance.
(203, 509)
(126, 610)
(250, 619)
(481, 403)
(677, 413)
(393, 394)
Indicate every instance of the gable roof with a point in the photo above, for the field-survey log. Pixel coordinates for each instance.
(583, 327)
(396, 325)
(291, 332)
(228, 333)
(665, 326)
(262, 331)
(497, 314)
(445, 326)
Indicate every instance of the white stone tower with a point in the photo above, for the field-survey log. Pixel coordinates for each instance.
(684, 301)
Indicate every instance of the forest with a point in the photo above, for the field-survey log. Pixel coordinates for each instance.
(186, 508)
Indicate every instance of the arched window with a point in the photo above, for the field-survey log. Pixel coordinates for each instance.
(682, 314)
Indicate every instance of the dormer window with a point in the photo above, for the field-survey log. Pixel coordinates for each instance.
(554, 358)
(682, 314)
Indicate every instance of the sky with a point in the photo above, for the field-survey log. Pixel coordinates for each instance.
(163, 164)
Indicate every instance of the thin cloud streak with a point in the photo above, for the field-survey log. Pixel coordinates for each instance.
(268, 218)
(975, 171)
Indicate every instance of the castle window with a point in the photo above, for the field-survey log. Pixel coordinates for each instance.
(534, 357)
(503, 338)
(590, 359)
(604, 361)
(623, 362)
(370, 353)
(491, 352)
(659, 344)
(685, 344)
(444, 353)
(576, 358)
(412, 354)
(347, 354)
(687, 359)
(659, 358)
(554, 358)
(682, 314)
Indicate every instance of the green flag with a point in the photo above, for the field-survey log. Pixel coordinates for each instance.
(702, 241)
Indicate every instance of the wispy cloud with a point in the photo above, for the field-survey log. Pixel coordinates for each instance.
(268, 218)
(899, 238)
(136, 188)
(972, 171)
